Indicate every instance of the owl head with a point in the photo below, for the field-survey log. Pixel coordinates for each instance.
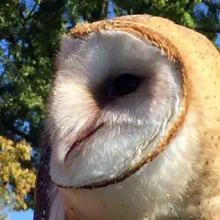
(123, 91)
(134, 117)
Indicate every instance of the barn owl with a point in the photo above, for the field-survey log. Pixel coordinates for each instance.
(133, 124)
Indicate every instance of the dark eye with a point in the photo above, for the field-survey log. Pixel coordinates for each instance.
(124, 84)
(113, 88)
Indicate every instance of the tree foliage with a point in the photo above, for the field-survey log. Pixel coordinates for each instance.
(29, 34)
(16, 176)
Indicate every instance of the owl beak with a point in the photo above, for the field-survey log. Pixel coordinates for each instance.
(77, 145)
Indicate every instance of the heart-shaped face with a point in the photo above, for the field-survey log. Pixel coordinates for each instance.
(114, 100)
(134, 108)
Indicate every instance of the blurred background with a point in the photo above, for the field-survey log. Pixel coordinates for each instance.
(29, 34)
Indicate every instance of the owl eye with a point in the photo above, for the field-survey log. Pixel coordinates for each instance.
(124, 84)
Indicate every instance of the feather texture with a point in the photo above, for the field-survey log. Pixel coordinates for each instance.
(152, 154)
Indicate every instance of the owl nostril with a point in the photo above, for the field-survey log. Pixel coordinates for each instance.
(124, 84)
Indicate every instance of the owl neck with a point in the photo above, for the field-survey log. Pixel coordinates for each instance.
(139, 197)
(154, 190)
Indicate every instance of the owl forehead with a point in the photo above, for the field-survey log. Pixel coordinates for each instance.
(108, 53)
(86, 64)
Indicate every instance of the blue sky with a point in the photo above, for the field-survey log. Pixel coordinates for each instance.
(21, 215)
(218, 40)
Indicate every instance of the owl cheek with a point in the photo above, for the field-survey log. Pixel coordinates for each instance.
(58, 152)
(81, 124)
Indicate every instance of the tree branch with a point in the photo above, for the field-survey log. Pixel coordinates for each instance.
(209, 29)
(212, 4)
(30, 14)
(189, 5)
(104, 9)
(6, 88)
(12, 131)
